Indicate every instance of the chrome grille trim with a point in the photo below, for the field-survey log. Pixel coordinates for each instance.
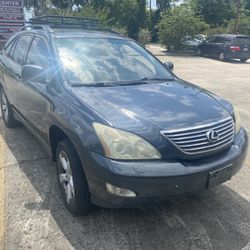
(204, 143)
(190, 129)
(194, 140)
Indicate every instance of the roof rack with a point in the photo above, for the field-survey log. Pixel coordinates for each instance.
(66, 22)
(47, 23)
(36, 27)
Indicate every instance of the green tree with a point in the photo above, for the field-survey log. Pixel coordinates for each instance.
(141, 13)
(86, 11)
(127, 14)
(214, 12)
(178, 23)
(36, 4)
(247, 7)
(163, 5)
(243, 26)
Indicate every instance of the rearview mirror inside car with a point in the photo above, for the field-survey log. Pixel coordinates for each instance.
(33, 73)
(169, 65)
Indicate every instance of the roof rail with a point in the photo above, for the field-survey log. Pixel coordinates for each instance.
(67, 22)
(36, 27)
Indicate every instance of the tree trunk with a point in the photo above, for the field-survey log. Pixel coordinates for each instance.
(237, 17)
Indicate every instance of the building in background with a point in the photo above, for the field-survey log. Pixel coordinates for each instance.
(11, 18)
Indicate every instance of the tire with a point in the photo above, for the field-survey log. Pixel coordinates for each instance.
(199, 52)
(72, 180)
(221, 56)
(7, 112)
(243, 59)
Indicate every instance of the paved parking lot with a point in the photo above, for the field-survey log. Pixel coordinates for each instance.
(35, 217)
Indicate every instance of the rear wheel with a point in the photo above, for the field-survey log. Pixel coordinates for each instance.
(7, 112)
(72, 180)
(243, 59)
(221, 56)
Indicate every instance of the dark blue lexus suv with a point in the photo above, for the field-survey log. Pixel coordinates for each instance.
(122, 128)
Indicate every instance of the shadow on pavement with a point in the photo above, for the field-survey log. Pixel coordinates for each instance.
(215, 219)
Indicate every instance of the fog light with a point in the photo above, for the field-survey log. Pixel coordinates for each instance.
(119, 191)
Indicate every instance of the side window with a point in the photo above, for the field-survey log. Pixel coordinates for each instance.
(38, 53)
(220, 39)
(210, 39)
(9, 48)
(21, 48)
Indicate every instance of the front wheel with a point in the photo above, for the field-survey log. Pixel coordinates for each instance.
(72, 180)
(7, 112)
(199, 52)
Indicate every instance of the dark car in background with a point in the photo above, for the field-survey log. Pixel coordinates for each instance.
(227, 46)
(123, 130)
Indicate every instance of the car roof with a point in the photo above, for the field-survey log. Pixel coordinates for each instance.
(232, 36)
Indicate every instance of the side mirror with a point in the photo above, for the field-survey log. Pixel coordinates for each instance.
(33, 73)
(169, 65)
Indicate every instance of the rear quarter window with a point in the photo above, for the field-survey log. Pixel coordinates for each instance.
(8, 50)
(242, 40)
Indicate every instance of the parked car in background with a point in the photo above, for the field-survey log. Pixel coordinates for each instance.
(124, 130)
(201, 37)
(190, 43)
(227, 46)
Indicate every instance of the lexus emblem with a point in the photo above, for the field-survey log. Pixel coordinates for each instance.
(212, 136)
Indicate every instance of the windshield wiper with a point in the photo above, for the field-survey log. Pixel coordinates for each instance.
(98, 84)
(104, 84)
(121, 83)
(156, 79)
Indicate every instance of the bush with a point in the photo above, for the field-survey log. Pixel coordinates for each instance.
(178, 23)
(144, 36)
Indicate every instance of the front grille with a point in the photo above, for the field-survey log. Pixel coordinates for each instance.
(202, 139)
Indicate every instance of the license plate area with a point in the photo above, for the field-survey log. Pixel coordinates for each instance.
(219, 176)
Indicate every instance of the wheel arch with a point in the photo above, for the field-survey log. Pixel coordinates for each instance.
(57, 134)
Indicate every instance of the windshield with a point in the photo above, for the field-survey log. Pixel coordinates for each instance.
(107, 60)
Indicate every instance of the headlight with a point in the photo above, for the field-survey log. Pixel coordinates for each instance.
(237, 120)
(118, 144)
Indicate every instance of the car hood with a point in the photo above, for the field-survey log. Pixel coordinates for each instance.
(168, 105)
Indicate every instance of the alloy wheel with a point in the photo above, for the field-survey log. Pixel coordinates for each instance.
(198, 52)
(4, 107)
(221, 56)
(66, 177)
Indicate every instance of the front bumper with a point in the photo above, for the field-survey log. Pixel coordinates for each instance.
(154, 181)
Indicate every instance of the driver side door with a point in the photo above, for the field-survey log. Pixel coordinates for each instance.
(34, 93)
